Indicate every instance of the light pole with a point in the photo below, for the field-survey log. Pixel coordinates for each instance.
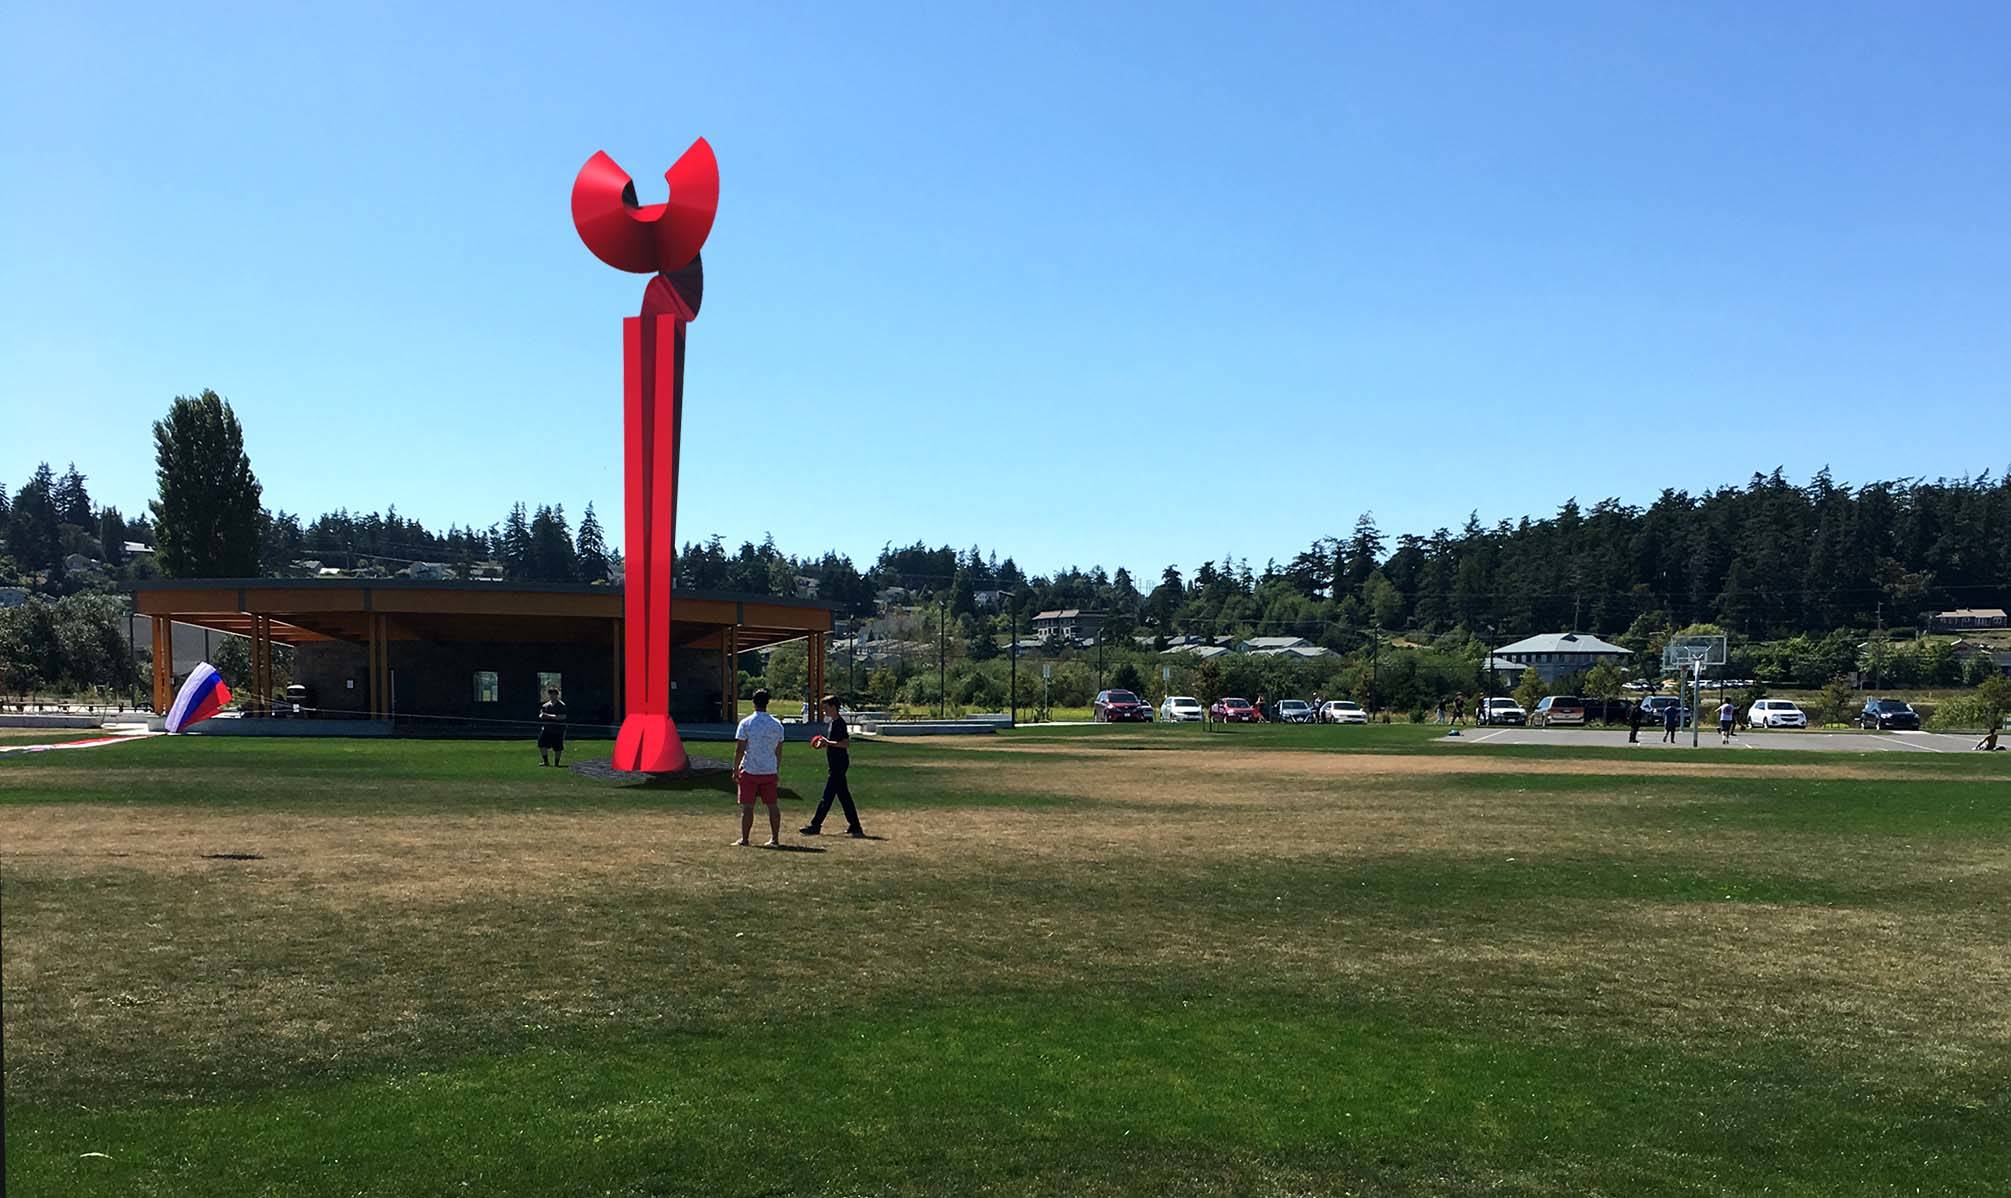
(942, 671)
(1012, 647)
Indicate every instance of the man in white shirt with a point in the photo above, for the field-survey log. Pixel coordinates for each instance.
(757, 760)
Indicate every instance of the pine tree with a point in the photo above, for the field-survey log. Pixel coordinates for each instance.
(112, 537)
(590, 551)
(516, 545)
(34, 532)
(73, 502)
(206, 519)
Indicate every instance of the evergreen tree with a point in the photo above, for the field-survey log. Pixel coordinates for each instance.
(112, 537)
(590, 550)
(34, 530)
(73, 502)
(1363, 554)
(551, 546)
(206, 519)
(516, 547)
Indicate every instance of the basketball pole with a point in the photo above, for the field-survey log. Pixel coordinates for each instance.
(1696, 699)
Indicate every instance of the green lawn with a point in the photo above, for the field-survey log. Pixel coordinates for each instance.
(1078, 961)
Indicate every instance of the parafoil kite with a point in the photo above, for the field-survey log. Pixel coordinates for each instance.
(201, 697)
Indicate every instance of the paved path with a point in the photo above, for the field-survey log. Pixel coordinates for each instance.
(1835, 742)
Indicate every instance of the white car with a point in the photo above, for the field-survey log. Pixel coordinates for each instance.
(1776, 713)
(1342, 711)
(1182, 709)
(1502, 711)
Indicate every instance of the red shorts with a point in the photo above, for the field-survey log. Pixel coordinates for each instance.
(757, 786)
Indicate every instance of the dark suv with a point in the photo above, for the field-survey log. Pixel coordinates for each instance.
(1113, 707)
(1889, 715)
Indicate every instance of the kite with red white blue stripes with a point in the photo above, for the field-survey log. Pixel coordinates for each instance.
(201, 697)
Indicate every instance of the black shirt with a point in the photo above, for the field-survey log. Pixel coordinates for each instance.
(553, 712)
(838, 735)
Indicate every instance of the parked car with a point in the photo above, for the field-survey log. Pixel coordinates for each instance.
(1558, 709)
(1295, 711)
(1653, 706)
(1776, 713)
(1182, 709)
(1234, 711)
(1502, 711)
(1608, 711)
(1113, 707)
(1889, 715)
(1342, 711)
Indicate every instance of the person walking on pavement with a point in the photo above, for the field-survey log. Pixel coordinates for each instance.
(1634, 724)
(1727, 722)
(1672, 718)
(836, 741)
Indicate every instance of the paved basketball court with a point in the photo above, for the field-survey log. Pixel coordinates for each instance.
(1651, 739)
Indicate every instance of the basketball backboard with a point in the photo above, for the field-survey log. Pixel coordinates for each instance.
(1687, 652)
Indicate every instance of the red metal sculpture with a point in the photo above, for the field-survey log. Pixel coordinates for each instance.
(664, 240)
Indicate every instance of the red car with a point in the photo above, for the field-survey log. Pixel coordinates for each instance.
(1114, 706)
(1234, 711)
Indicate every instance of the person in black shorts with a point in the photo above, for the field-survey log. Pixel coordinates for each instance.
(551, 728)
(837, 745)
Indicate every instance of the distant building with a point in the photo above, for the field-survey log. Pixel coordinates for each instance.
(1271, 644)
(1555, 654)
(806, 587)
(1068, 624)
(1964, 619)
(988, 600)
(13, 596)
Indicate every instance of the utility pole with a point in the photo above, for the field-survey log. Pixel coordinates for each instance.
(1012, 622)
(1375, 665)
(942, 645)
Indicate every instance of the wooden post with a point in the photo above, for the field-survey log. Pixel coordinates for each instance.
(261, 662)
(815, 675)
(729, 671)
(372, 625)
(164, 663)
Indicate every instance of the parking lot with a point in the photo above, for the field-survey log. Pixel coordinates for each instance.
(1651, 738)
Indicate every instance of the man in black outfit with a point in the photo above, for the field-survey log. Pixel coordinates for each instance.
(1634, 724)
(552, 728)
(837, 745)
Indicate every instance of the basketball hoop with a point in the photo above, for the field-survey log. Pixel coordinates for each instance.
(1692, 654)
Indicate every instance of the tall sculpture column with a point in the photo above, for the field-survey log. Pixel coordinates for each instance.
(662, 240)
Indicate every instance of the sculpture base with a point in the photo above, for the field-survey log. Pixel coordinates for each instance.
(649, 744)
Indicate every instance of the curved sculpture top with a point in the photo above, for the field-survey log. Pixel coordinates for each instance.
(652, 239)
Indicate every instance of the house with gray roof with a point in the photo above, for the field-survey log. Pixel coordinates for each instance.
(1555, 654)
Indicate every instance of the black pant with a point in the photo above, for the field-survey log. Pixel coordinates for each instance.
(835, 788)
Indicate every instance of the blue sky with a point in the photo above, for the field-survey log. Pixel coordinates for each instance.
(1118, 284)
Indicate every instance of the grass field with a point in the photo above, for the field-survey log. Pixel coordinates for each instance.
(1076, 961)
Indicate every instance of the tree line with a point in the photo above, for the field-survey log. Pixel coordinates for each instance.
(1767, 560)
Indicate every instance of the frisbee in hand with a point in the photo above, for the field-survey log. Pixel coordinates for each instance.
(817, 742)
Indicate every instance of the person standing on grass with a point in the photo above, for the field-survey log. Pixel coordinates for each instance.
(836, 742)
(1727, 718)
(1672, 716)
(551, 728)
(757, 766)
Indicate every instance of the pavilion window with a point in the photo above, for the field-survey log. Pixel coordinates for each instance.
(487, 687)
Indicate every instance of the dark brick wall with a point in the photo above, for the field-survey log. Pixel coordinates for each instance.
(438, 679)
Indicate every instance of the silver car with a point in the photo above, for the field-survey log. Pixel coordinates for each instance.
(1182, 709)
